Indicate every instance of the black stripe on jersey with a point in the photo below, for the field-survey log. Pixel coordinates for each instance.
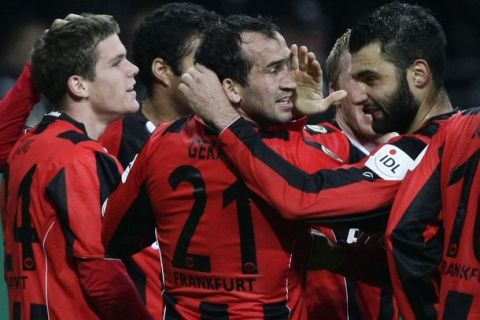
(372, 221)
(177, 125)
(355, 154)
(44, 123)
(134, 136)
(280, 134)
(108, 175)
(429, 130)
(57, 192)
(213, 311)
(74, 136)
(136, 230)
(353, 308)
(386, 304)
(299, 179)
(466, 171)
(8, 263)
(410, 145)
(409, 231)
(38, 311)
(170, 312)
(17, 311)
(137, 275)
(276, 311)
(457, 305)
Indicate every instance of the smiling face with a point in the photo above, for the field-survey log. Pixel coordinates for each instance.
(111, 93)
(267, 97)
(391, 103)
(350, 112)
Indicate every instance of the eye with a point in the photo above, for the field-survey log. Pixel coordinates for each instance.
(277, 68)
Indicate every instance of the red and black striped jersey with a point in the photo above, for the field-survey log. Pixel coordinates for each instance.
(125, 138)
(332, 195)
(331, 296)
(224, 251)
(433, 234)
(54, 186)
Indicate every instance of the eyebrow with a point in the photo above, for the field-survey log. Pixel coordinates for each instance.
(277, 62)
(364, 74)
(117, 58)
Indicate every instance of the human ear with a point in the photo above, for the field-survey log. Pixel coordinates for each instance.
(161, 71)
(419, 73)
(77, 87)
(232, 90)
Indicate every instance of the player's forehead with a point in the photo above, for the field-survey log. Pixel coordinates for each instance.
(370, 61)
(109, 49)
(262, 49)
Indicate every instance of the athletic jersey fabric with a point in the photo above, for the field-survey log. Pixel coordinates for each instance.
(433, 234)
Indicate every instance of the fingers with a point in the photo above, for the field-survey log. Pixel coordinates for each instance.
(73, 16)
(57, 23)
(294, 57)
(303, 58)
(334, 97)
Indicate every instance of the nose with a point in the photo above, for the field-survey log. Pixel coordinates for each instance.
(358, 92)
(287, 82)
(132, 69)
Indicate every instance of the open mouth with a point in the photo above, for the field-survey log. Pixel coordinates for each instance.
(284, 101)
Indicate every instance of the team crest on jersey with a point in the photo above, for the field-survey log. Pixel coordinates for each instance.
(316, 128)
(390, 163)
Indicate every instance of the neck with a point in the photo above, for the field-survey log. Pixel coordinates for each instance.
(434, 105)
(94, 125)
(162, 107)
(363, 143)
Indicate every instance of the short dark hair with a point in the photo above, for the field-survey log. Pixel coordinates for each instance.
(168, 33)
(405, 33)
(69, 50)
(221, 49)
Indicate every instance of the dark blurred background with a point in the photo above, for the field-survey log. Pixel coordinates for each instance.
(315, 23)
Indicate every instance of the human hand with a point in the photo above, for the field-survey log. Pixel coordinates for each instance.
(204, 93)
(324, 253)
(57, 23)
(307, 73)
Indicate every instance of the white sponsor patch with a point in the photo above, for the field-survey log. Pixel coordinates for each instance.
(317, 128)
(390, 163)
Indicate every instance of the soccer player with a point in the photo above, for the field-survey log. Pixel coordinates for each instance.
(434, 228)
(58, 176)
(225, 254)
(163, 48)
(398, 56)
(330, 295)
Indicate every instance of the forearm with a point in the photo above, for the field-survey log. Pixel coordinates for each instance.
(310, 196)
(108, 287)
(15, 108)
